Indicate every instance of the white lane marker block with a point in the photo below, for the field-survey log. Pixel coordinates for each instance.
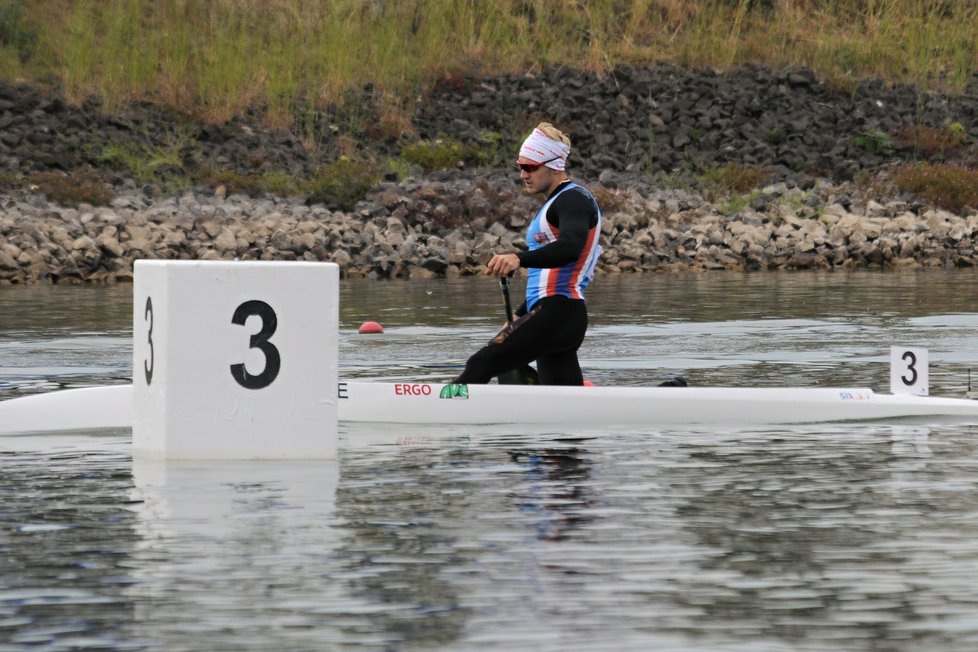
(909, 371)
(235, 360)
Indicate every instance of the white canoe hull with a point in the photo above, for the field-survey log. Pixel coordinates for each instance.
(110, 407)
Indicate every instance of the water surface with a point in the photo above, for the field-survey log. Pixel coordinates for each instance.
(839, 537)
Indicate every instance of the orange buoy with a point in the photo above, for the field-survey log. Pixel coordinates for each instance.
(370, 327)
(588, 383)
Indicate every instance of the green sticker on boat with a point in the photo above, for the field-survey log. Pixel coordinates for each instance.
(454, 390)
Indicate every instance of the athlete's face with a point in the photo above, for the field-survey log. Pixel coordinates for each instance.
(537, 177)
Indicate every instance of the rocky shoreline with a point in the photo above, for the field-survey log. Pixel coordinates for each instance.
(637, 135)
(410, 231)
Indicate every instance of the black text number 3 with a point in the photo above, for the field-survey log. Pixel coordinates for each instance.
(909, 356)
(273, 361)
(148, 365)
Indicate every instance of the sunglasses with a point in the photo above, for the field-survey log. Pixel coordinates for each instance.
(533, 167)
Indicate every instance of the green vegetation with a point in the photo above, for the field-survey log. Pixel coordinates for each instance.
(306, 66)
(732, 178)
(875, 142)
(735, 203)
(17, 36)
(216, 58)
(283, 184)
(342, 183)
(150, 163)
(339, 185)
(436, 155)
(493, 150)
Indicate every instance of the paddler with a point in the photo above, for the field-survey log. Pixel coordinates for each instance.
(562, 252)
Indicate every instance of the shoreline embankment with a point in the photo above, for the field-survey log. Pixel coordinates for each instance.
(665, 150)
(671, 230)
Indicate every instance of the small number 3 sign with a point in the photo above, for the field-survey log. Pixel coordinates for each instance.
(908, 371)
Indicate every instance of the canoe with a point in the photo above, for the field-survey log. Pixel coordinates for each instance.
(110, 407)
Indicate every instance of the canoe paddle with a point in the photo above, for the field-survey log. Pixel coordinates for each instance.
(525, 375)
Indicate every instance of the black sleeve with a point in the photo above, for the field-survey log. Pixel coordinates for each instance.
(572, 214)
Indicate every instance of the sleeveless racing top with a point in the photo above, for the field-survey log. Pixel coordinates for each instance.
(571, 279)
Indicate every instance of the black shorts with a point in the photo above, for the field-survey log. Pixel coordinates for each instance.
(550, 334)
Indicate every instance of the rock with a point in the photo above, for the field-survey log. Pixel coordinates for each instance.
(632, 131)
(225, 242)
(303, 242)
(8, 263)
(110, 244)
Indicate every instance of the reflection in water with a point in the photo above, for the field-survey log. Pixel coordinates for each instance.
(448, 539)
(407, 532)
(808, 536)
(764, 539)
(774, 509)
(66, 541)
(911, 443)
(556, 491)
(241, 542)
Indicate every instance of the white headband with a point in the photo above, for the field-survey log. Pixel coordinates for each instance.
(539, 147)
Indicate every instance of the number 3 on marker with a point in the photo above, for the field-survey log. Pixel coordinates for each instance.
(911, 360)
(148, 365)
(273, 361)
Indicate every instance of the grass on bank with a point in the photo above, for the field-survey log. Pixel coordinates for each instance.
(218, 58)
(296, 60)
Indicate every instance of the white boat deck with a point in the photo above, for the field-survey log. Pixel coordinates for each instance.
(110, 407)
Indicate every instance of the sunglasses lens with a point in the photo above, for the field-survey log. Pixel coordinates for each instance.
(533, 167)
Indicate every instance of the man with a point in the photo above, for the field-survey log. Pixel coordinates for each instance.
(563, 251)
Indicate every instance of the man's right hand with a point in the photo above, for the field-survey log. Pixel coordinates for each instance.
(503, 264)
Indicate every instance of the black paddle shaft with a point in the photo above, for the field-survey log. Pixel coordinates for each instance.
(504, 284)
(525, 375)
